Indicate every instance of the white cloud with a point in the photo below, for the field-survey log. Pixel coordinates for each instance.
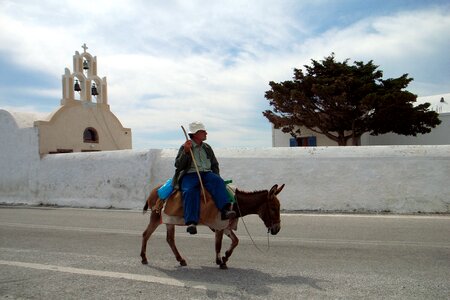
(408, 42)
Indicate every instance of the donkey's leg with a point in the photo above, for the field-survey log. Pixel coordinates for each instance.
(218, 245)
(152, 225)
(170, 237)
(234, 243)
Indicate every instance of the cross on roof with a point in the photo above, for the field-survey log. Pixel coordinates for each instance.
(84, 47)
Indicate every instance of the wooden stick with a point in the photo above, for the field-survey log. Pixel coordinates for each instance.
(196, 167)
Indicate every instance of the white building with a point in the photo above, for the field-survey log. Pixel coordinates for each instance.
(82, 123)
(440, 135)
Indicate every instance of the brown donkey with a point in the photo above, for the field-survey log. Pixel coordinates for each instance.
(263, 203)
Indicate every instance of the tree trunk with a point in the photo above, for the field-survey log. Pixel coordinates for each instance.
(341, 139)
(356, 140)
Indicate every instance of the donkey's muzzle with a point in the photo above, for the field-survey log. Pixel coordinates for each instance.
(275, 229)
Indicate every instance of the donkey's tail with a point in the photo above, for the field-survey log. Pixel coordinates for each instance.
(147, 203)
(144, 210)
(151, 200)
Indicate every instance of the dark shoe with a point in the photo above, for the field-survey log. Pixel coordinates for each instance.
(192, 229)
(228, 214)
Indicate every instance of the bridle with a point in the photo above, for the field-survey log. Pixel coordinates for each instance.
(268, 228)
(269, 212)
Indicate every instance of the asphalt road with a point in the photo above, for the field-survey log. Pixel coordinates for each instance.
(61, 253)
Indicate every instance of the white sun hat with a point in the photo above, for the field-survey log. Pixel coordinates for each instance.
(196, 126)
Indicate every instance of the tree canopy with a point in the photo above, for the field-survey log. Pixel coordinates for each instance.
(344, 101)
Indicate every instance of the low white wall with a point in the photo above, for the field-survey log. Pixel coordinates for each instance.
(399, 179)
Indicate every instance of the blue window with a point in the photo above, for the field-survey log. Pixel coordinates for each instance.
(309, 141)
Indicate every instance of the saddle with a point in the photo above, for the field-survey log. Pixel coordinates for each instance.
(171, 211)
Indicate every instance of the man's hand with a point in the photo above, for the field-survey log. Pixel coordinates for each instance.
(187, 146)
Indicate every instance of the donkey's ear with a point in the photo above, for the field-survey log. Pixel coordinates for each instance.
(279, 189)
(273, 190)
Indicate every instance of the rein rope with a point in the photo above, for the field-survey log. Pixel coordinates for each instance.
(248, 232)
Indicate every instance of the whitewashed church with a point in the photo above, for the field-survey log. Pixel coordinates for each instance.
(82, 123)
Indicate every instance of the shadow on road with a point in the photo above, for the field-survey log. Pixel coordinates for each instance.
(235, 281)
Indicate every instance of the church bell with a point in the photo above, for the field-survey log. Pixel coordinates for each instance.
(85, 65)
(76, 86)
(94, 91)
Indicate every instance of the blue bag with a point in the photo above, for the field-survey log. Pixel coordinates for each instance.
(165, 190)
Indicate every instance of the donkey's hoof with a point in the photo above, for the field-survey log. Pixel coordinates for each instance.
(223, 267)
(144, 262)
(183, 263)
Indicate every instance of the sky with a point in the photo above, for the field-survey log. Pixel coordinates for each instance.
(169, 63)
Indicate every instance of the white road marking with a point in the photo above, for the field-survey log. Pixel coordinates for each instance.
(364, 242)
(73, 228)
(379, 216)
(117, 275)
(277, 239)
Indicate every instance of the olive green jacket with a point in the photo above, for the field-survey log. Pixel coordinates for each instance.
(183, 163)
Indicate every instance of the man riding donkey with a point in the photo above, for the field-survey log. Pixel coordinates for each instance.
(189, 171)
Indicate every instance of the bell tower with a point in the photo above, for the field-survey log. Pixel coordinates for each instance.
(83, 84)
(84, 122)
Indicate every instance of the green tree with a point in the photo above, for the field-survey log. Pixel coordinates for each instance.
(344, 101)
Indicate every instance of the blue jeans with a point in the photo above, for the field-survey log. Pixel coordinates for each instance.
(190, 188)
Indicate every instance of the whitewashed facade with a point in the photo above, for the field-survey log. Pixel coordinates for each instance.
(82, 123)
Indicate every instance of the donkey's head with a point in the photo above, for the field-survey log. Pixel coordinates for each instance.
(270, 210)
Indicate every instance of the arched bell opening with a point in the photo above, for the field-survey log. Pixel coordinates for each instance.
(96, 90)
(79, 87)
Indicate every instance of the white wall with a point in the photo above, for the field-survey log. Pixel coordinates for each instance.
(19, 158)
(440, 135)
(400, 179)
(384, 178)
